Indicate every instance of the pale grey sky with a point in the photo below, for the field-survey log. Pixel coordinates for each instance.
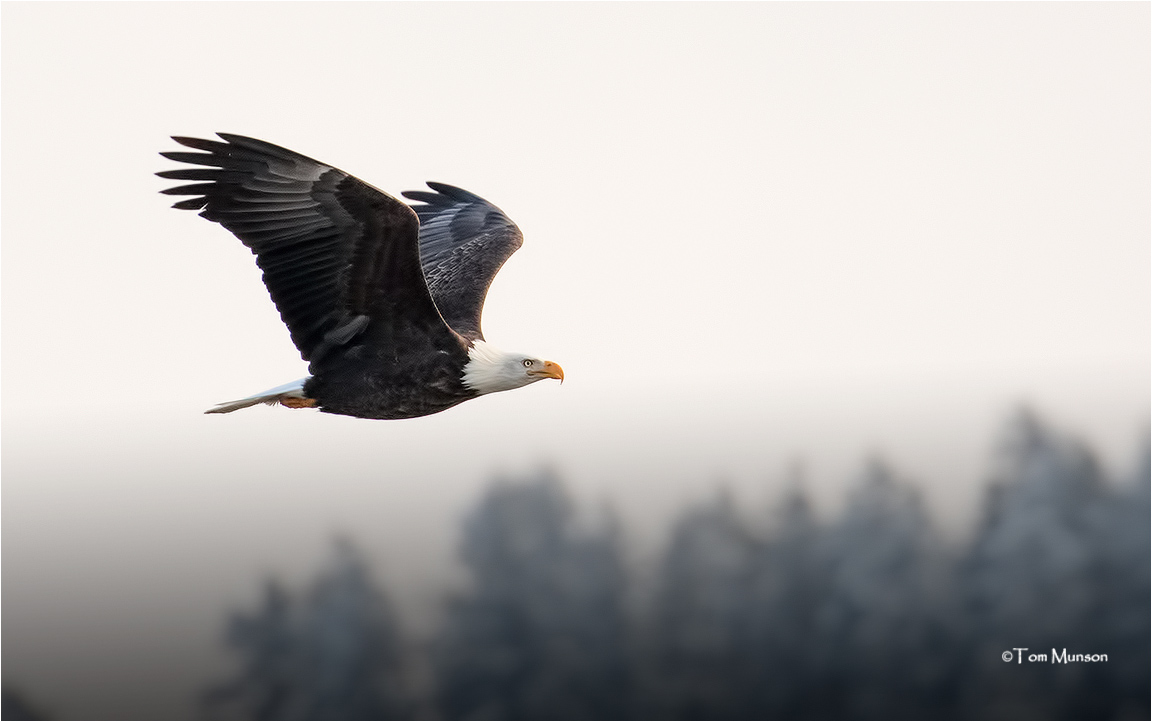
(755, 234)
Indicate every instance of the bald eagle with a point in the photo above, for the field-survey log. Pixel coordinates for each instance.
(382, 299)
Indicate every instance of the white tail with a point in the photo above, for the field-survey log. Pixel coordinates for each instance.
(271, 396)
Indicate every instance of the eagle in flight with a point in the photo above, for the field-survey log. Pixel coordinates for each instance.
(382, 299)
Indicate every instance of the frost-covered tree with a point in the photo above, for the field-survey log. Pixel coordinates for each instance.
(1120, 611)
(350, 645)
(540, 632)
(332, 653)
(1030, 566)
(881, 645)
(1060, 561)
(788, 582)
(267, 641)
(698, 646)
(15, 706)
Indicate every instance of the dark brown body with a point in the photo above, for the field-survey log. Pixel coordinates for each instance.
(376, 384)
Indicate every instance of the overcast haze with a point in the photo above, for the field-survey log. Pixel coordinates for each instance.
(757, 236)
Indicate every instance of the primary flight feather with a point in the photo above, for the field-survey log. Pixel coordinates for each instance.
(382, 299)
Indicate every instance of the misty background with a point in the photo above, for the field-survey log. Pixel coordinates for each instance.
(768, 243)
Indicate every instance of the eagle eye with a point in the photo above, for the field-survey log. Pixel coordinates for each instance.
(527, 363)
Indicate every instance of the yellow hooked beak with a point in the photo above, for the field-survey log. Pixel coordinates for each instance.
(549, 370)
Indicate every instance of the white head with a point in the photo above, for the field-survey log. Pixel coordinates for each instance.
(489, 369)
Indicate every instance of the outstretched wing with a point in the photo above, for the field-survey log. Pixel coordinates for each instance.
(464, 240)
(340, 258)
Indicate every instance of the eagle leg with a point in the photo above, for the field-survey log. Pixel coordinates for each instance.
(295, 402)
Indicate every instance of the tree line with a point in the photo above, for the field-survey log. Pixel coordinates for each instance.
(870, 615)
